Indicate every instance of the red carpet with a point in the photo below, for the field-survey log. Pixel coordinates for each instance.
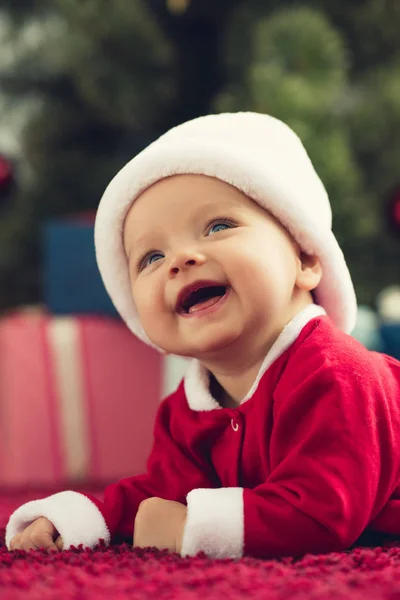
(120, 572)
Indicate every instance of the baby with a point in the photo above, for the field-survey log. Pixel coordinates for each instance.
(215, 243)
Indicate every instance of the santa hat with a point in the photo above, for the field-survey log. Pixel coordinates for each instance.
(259, 155)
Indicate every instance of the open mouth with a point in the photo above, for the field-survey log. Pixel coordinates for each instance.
(202, 298)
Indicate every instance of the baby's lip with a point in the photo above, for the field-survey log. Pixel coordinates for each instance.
(192, 287)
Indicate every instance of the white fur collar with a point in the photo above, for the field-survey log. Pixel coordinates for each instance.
(196, 380)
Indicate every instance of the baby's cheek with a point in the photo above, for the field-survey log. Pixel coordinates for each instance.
(147, 310)
(150, 306)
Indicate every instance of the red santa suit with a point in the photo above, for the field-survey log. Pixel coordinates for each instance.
(306, 463)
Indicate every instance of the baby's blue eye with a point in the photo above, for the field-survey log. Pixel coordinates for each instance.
(148, 260)
(219, 225)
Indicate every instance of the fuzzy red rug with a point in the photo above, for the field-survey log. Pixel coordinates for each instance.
(120, 572)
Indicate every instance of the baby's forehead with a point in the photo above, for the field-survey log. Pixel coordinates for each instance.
(171, 196)
(191, 214)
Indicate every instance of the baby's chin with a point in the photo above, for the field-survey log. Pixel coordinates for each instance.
(205, 347)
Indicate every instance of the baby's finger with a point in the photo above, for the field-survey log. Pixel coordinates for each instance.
(40, 540)
(27, 544)
(15, 542)
(59, 543)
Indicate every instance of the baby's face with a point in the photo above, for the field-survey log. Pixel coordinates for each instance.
(190, 228)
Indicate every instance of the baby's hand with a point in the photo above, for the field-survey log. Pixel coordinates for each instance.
(160, 523)
(41, 534)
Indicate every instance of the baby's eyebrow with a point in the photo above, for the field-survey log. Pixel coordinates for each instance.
(218, 210)
(137, 248)
(141, 241)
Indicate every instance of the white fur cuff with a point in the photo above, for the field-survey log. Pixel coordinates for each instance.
(75, 517)
(215, 523)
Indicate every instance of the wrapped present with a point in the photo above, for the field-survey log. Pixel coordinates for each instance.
(78, 397)
(388, 305)
(390, 333)
(366, 329)
(71, 279)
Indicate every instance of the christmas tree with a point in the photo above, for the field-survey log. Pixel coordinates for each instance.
(86, 85)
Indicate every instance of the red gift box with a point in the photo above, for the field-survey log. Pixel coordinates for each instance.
(78, 397)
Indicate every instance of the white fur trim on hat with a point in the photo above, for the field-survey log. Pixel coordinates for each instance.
(259, 155)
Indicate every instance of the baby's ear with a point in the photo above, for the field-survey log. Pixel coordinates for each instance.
(309, 272)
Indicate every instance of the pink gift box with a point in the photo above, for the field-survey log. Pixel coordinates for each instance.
(78, 397)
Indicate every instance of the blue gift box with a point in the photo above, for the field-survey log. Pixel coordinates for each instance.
(390, 333)
(71, 279)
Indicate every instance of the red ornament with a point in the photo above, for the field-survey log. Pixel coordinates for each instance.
(394, 211)
(6, 177)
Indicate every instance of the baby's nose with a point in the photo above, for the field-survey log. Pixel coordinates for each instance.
(186, 260)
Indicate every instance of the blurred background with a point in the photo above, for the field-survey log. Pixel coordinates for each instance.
(84, 86)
